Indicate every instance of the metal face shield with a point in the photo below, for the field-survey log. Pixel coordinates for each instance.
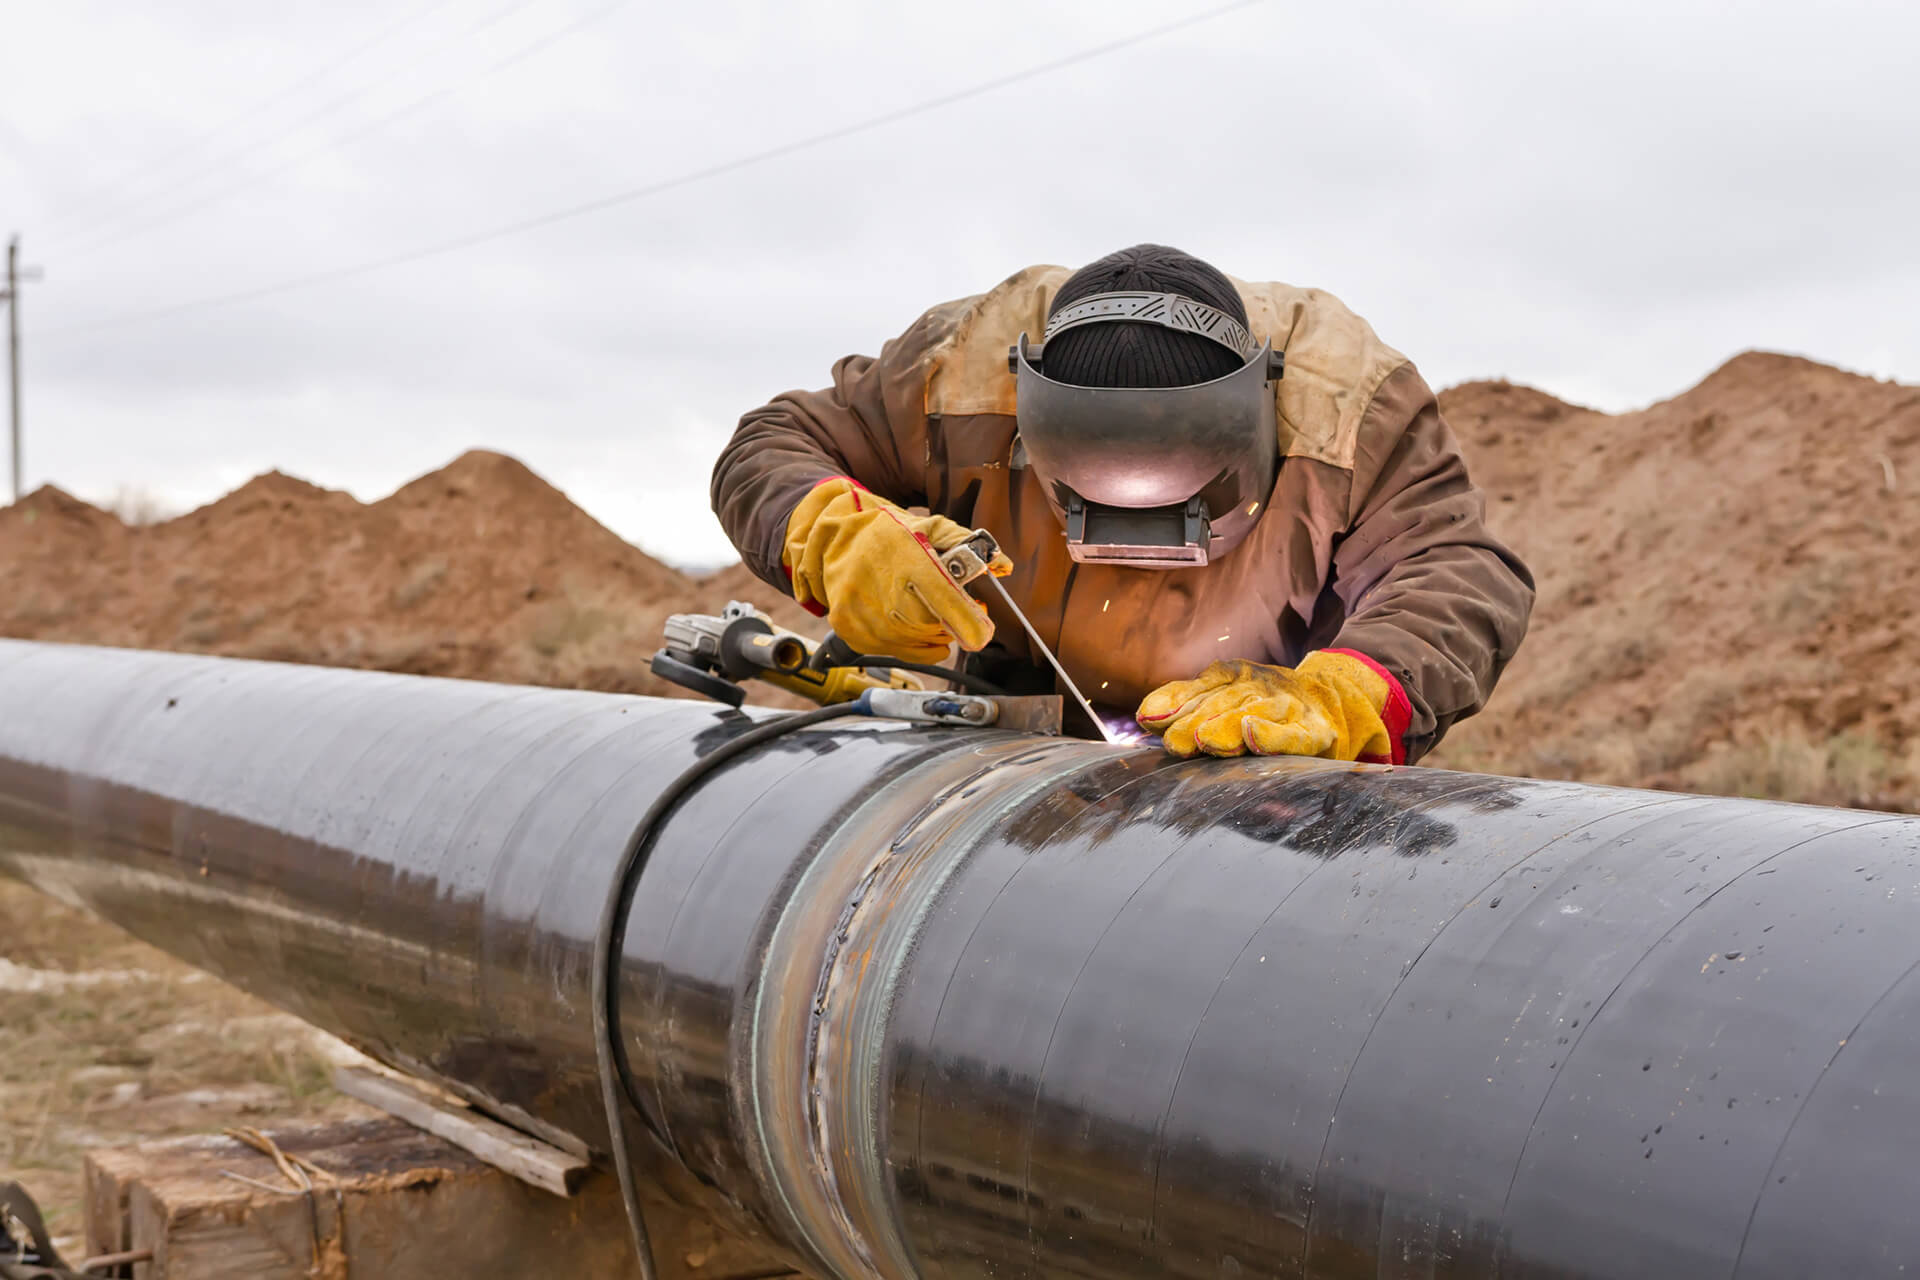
(1155, 478)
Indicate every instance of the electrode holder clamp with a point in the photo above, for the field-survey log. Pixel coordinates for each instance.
(969, 559)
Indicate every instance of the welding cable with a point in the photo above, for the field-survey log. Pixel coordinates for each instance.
(611, 937)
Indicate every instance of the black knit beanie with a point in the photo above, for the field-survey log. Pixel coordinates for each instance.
(1122, 353)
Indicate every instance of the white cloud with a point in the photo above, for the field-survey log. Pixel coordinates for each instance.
(1603, 200)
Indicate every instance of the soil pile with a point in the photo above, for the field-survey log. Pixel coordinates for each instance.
(1729, 585)
(480, 569)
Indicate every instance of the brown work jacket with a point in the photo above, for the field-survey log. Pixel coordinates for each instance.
(1374, 539)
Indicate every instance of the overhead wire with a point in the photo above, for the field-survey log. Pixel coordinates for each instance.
(632, 194)
(177, 212)
(326, 108)
(253, 110)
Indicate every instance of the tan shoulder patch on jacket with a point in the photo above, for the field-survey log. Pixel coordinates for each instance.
(967, 369)
(1335, 362)
(1335, 365)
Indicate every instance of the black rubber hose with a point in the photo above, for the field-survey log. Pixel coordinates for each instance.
(611, 935)
(971, 683)
(832, 652)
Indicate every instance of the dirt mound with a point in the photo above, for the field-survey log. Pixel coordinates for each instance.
(481, 569)
(1729, 584)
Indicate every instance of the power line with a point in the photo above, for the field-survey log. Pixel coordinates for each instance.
(235, 155)
(373, 126)
(245, 150)
(633, 194)
(154, 163)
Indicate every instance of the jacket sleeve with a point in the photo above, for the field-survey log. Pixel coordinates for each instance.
(1430, 594)
(870, 424)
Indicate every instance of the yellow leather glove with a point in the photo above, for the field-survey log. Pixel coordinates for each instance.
(870, 567)
(1335, 704)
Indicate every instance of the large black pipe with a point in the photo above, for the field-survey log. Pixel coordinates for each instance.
(951, 1003)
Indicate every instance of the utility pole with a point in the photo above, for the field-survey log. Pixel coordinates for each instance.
(11, 296)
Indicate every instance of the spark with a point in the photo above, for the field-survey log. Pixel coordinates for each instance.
(1217, 641)
(1252, 507)
(1104, 604)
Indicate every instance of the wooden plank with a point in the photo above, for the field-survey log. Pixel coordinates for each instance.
(397, 1204)
(506, 1149)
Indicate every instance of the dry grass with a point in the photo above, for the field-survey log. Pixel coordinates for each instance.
(106, 1041)
(1786, 762)
(1849, 769)
(565, 624)
(422, 581)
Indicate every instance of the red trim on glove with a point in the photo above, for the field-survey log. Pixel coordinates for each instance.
(1397, 714)
(816, 610)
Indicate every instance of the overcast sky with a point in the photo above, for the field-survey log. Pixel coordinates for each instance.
(1604, 200)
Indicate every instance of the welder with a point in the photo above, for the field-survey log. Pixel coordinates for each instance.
(1234, 513)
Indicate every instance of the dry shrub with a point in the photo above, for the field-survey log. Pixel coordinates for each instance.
(137, 506)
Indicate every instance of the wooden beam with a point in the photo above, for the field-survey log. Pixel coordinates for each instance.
(506, 1149)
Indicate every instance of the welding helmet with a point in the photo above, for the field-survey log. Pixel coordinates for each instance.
(1151, 477)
